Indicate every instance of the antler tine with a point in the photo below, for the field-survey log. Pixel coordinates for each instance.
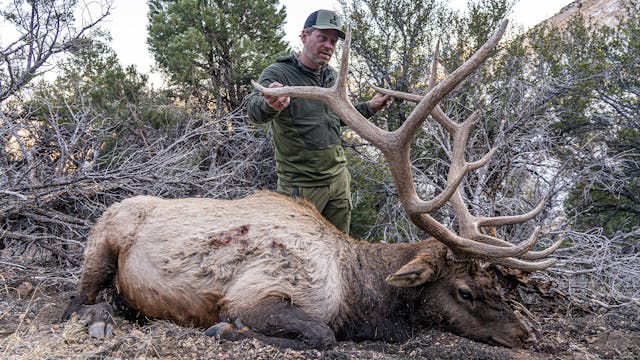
(463, 244)
(514, 219)
(524, 265)
(343, 73)
(437, 112)
(306, 92)
(434, 66)
(535, 255)
(530, 255)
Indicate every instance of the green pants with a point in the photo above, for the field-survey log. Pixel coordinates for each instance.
(333, 201)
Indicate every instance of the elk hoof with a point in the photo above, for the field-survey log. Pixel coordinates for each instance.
(219, 329)
(228, 331)
(100, 330)
(98, 319)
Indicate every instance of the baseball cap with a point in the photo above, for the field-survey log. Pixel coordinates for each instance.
(323, 20)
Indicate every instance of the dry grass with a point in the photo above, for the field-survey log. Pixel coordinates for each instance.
(30, 329)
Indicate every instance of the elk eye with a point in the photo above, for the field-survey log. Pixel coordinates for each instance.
(465, 294)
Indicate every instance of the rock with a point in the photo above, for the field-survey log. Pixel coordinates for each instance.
(25, 289)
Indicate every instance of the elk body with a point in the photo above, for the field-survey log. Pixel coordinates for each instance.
(271, 267)
(285, 272)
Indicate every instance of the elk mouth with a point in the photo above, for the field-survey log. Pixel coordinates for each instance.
(512, 342)
(506, 342)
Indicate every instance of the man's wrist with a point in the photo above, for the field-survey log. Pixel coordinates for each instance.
(373, 110)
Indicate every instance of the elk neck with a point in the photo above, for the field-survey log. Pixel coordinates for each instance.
(373, 309)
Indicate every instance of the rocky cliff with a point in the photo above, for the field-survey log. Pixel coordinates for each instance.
(604, 12)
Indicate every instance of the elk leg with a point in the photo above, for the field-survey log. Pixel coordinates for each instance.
(278, 322)
(74, 306)
(100, 265)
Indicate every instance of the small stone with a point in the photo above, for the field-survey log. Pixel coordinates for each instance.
(137, 334)
(25, 289)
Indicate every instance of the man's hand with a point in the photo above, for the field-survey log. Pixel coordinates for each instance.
(277, 103)
(379, 102)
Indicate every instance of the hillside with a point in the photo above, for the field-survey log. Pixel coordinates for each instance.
(604, 12)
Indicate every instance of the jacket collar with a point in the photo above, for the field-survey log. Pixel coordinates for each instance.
(293, 59)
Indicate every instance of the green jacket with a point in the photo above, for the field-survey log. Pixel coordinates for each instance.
(307, 133)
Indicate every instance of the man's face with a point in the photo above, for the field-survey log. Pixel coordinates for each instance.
(319, 46)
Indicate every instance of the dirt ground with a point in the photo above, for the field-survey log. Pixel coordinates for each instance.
(32, 301)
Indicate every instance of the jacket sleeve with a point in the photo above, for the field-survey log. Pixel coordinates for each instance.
(364, 109)
(257, 108)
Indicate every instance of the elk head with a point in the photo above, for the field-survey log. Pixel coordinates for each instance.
(461, 296)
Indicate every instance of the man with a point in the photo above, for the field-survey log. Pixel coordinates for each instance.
(310, 160)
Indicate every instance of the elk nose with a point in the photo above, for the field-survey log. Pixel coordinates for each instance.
(529, 337)
(526, 332)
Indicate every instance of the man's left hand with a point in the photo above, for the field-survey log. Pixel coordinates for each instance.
(380, 101)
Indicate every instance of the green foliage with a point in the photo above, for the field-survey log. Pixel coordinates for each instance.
(599, 119)
(212, 49)
(597, 206)
(367, 186)
(569, 54)
(471, 29)
(94, 76)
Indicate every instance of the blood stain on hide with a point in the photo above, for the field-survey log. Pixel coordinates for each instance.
(277, 244)
(227, 237)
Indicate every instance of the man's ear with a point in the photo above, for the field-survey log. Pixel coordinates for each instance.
(414, 273)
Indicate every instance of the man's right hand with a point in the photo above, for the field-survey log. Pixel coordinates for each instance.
(277, 103)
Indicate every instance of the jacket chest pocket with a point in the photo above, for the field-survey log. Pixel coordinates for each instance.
(318, 126)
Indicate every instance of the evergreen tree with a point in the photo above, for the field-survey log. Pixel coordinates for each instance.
(95, 97)
(212, 49)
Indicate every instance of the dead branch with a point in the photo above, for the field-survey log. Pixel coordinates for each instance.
(49, 218)
(43, 30)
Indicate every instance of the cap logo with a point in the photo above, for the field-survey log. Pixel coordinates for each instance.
(334, 20)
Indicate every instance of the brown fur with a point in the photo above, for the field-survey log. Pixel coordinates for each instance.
(270, 266)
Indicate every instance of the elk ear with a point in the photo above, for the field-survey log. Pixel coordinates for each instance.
(414, 273)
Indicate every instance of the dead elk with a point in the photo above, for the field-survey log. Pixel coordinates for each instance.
(271, 267)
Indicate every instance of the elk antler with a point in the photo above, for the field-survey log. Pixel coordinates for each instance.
(395, 147)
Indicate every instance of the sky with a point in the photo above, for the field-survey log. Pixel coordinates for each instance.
(128, 21)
